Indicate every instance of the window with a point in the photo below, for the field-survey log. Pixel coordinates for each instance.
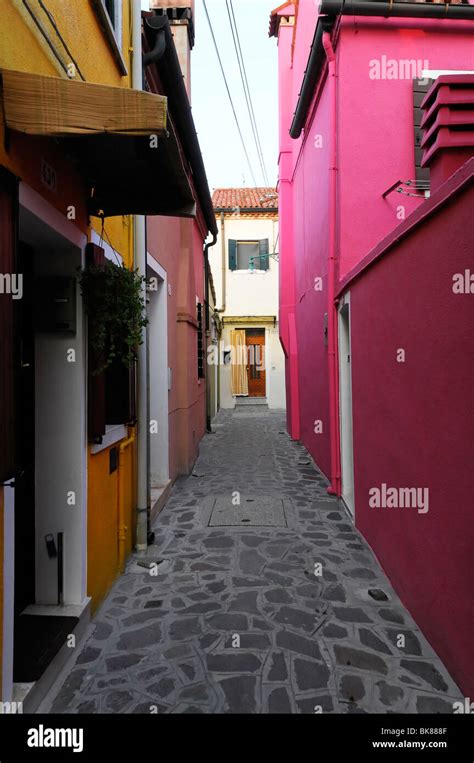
(113, 8)
(109, 14)
(111, 393)
(248, 255)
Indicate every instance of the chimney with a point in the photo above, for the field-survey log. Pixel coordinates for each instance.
(448, 126)
(181, 17)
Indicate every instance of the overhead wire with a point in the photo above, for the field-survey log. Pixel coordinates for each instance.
(228, 92)
(246, 88)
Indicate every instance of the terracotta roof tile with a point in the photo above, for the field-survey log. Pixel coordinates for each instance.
(245, 198)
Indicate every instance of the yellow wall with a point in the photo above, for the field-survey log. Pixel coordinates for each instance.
(24, 49)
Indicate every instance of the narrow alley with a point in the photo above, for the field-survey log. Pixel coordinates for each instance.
(276, 605)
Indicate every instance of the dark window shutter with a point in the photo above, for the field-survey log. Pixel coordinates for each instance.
(200, 342)
(120, 394)
(232, 254)
(8, 251)
(420, 88)
(95, 255)
(263, 265)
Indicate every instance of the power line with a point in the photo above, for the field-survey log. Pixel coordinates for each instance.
(228, 92)
(245, 85)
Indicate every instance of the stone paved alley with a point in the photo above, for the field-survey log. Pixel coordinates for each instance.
(169, 642)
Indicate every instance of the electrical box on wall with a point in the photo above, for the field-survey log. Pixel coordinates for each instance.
(55, 304)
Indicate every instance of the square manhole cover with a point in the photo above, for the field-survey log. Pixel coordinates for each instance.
(257, 511)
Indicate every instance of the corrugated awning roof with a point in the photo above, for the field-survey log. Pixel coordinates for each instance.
(121, 140)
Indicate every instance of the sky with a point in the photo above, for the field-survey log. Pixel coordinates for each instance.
(221, 147)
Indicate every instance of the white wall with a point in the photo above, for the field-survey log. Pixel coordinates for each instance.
(250, 294)
(158, 362)
(247, 293)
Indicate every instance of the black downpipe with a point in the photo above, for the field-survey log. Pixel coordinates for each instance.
(172, 79)
(315, 61)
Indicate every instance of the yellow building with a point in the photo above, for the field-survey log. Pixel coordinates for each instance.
(74, 138)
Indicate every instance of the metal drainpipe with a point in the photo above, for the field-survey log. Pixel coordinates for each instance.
(122, 528)
(222, 309)
(335, 487)
(208, 321)
(140, 263)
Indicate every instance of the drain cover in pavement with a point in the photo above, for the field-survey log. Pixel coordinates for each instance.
(258, 511)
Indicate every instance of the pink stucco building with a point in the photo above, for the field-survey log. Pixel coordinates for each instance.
(375, 191)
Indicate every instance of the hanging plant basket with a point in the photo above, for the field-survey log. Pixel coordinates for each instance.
(114, 304)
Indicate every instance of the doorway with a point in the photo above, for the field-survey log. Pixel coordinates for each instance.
(25, 435)
(345, 405)
(256, 374)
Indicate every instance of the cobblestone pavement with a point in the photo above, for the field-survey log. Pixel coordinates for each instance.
(234, 619)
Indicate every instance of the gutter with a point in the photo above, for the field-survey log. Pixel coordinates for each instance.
(171, 77)
(420, 10)
(335, 8)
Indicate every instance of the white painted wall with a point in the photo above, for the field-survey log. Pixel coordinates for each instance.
(60, 409)
(250, 294)
(158, 361)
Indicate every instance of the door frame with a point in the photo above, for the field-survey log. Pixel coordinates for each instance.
(262, 332)
(345, 404)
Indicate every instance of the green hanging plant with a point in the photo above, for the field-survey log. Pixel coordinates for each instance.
(113, 302)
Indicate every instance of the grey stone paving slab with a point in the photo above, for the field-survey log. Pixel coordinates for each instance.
(274, 617)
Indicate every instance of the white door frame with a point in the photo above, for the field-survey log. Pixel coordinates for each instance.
(345, 403)
(159, 382)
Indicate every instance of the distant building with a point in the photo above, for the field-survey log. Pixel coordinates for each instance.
(246, 275)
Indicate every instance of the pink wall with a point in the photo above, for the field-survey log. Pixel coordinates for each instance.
(177, 244)
(403, 301)
(375, 135)
(375, 149)
(414, 425)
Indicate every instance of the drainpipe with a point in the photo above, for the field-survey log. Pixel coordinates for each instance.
(222, 309)
(122, 528)
(335, 487)
(208, 325)
(140, 264)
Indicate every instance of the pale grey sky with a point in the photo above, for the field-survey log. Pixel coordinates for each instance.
(224, 156)
(222, 150)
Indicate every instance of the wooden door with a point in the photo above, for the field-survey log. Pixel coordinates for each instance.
(255, 339)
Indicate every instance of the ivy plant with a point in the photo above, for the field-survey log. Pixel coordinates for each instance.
(113, 302)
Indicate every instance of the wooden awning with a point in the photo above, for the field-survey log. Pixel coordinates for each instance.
(122, 141)
(57, 107)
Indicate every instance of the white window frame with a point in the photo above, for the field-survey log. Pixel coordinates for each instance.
(113, 29)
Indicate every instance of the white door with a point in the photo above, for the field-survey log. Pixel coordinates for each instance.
(345, 404)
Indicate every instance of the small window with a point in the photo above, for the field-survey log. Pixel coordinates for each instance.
(113, 9)
(109, 13)
(248, 254)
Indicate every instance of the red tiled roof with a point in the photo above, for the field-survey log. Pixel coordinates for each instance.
(245, 198)
(276, 16)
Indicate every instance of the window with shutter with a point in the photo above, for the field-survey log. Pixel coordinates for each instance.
(263, 254)
(232, 254)
(8, 250)
(112, 393)
(95, 256)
